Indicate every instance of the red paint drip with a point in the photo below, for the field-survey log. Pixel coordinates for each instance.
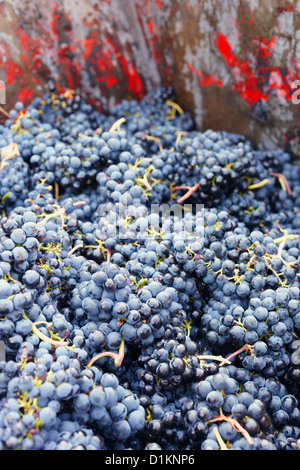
(134, 82)
(250, 82)
(100, 56)
(25, 95)
(159, 5)
(54, 30)
(150, 26)
(203, 79)
(258, 81)
(286, 8)
(12, 71)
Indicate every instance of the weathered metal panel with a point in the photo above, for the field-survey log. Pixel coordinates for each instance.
(232, 63)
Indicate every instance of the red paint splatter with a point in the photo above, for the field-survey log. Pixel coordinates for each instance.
(32, 49)
(265, 47)
(204, 79)
(110, 81)
(54, 31)
(104, 59)
(25, 95)
(286, 8)
(150, 26)
(253, 78)
(100, 57)
(250, 80)
(134, 82)
(159, 5)
(12, 71)
(2, 9)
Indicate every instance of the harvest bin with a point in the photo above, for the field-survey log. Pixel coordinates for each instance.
(91, 272)
(234, 64)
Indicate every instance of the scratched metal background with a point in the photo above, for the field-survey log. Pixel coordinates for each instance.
(231, 62)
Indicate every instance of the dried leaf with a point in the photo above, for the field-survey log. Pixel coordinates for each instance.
(7, 153)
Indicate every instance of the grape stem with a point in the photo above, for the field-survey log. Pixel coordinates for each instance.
(79, 203)
(58, 213)
(235, 424)
(221, 443)
(283, 182)
(259, 185)
(118, 357)
(116, 125)
(56, 186)
(246, 347)
(156, 139)
(179, 135)
(191, 191)
(44, 337)
(175, 106)
(6, 114)
(74, 249)
(214, 358)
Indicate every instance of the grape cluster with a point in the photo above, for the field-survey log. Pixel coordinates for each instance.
(149, 281)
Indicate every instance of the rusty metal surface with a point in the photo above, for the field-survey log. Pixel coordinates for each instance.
(232, 63)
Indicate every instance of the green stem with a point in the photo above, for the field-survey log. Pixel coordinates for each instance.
(220, 440)
(44, 337)
(259, 185)
(214, 358)
(116, 125)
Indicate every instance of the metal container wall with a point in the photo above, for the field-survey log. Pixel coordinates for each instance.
(234, 64)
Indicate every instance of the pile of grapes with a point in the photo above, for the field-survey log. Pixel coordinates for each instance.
(149, 281)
